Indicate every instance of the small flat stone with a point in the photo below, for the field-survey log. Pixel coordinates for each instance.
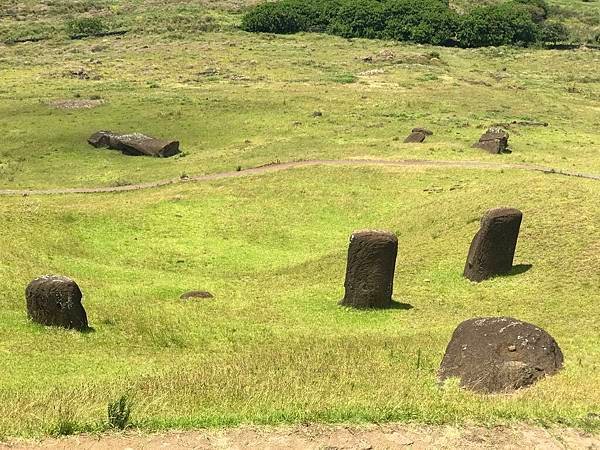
(196, 294)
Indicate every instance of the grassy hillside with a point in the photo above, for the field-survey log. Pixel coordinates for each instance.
(273, 346)
(236, 99)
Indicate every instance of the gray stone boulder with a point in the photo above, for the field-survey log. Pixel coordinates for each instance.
(499, 354)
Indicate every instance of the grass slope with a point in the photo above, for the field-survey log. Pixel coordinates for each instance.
(274, 346)
(238, 99)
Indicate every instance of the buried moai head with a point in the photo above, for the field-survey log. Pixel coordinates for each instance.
(493, 248)
(494, 140)
(56, 301)
(499, 354)
(370, 269)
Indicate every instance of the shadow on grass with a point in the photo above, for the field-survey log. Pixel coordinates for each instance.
(399, 305)
(394, 305)
(519, 269)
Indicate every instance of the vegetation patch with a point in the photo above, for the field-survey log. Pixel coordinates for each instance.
(517, 22)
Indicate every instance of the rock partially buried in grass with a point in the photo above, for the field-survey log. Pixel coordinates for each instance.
(494, 140)
(499, 354)
(135, 144)
(493, 248)
(417, 135)
(56, 301)
(370, 269)
(196, 294)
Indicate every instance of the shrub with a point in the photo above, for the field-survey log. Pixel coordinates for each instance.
(537, 8)
(358, 18)
(553, 32)
(65, 425)
(86, 26)
(425, 22)
(496, 25)
(278, 17)
(291, 16)
(119, 412)
(320, 13)
(517, 22)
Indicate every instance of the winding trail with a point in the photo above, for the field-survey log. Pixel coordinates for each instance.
(279, 166)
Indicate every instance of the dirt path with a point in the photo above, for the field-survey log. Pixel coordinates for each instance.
(275, 167)
(393, 436)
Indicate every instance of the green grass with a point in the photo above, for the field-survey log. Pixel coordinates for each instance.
(239, 99)
(274, 346)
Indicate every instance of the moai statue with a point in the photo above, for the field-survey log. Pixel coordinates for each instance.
(493, 247)
(370, 269)
(56, 301)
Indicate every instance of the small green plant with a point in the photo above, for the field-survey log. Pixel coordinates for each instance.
(65, 424)
(344, 78)
(85, 26)
(119, 412)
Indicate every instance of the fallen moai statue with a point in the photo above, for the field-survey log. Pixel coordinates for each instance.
(135, 144)
(370, 269)
(417, 135)
(499, 354)
(494, 140)
(493, 248)
(56, 301)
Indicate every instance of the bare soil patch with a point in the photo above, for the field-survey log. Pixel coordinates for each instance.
(76, 104)
(392, 436)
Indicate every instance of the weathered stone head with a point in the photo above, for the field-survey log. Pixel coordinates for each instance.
(499, 354)
(56, 301)
(493, 248)
(494, 140)
(370, 269)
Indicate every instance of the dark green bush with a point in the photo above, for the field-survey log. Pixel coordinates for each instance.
(517, 22)
(320, 13)
(358, 18)
(86, 26)
(421, 21)
(537, 8)
(279, 17)
(497, 25)
(553, 33)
